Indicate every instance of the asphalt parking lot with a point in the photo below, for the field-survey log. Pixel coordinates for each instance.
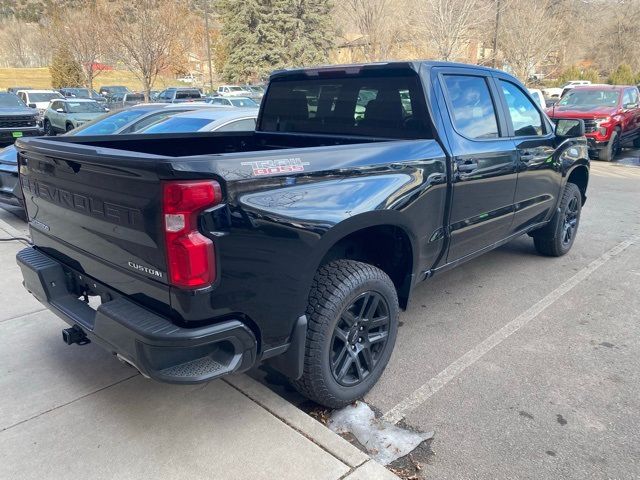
(556, 396)
(523, 366)
(526, 366)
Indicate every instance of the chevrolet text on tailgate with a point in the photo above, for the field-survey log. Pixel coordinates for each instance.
(297, 244)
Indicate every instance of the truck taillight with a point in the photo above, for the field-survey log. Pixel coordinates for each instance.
(190, 255)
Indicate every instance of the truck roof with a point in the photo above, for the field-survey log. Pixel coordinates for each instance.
(356, 67)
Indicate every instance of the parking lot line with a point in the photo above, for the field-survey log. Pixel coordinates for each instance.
(423, 393)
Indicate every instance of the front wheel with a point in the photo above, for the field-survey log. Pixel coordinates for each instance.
(48, 130)
(611, 149)
(557, 237)
(353, 322)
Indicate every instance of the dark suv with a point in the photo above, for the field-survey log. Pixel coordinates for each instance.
(16, 118)
(179, 95)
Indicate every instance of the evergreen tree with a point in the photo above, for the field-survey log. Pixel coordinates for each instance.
(263, 35)
(64, 70)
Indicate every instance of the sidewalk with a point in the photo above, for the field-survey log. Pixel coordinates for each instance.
(75, 412)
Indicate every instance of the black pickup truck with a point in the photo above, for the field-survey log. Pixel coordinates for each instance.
(192, 256)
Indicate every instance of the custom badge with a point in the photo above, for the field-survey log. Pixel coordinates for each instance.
(282, 165)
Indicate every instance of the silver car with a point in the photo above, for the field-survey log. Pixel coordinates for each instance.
(208, 120)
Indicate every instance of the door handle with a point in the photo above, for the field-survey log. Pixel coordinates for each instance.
(468, 166)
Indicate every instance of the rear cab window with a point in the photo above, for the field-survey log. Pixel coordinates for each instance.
(370, 104)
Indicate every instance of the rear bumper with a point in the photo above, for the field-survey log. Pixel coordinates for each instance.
(152, 343)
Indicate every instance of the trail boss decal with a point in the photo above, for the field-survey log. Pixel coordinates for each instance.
(282, 165)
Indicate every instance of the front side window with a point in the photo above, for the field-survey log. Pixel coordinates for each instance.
(472, 106)
(525, 117)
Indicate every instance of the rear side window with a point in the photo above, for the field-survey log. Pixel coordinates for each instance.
(244, 125)
(473, 113)
(525, 117)
(185, 94)
(372, 104)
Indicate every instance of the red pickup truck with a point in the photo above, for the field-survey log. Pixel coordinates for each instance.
(611, 115)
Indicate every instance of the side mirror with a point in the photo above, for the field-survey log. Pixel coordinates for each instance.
(106, 109)
(60, 110)
(569, 127)
(33, 105)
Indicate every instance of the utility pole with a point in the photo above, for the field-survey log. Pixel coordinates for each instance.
(206, 30)
(495, 35)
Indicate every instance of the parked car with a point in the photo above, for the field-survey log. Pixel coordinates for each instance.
(16, 118)
(118, 101)
(128, 121)
(16, 89)
(179, 94)
(238, 102)
(233, 91)
(207, 120)
(38, 99)
(538, 96)
(611, 115)
(73, 92)
(66, 114)
(256, 91)
(297, 243)
(109, 90)
(576, 83)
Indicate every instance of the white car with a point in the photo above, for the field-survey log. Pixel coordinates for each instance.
(38, 99)
(538, 96)
(576, 83)
(207, 120)
(233, 91)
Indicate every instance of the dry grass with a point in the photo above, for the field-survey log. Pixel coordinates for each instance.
(40, 78)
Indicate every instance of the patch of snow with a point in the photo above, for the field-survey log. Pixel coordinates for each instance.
(384, 441)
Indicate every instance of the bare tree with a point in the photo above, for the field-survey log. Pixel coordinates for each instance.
(150, 36)
(376, 21)
(447, 26)
(530, 32)
(83, 32)
(19, 44)
(619, 38)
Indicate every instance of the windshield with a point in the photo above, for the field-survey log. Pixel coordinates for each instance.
(243, 102)
(10, 100)
(110, 124)
(80, 92)
(36, 97)
(236, 89)
(84, 107)
(590, 98)
(178, 125)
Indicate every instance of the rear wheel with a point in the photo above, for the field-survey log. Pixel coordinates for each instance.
(611, 149)
(353, 322)
(557, 237)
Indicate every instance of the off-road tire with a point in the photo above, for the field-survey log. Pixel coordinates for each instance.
(551, 239)
(335, 288)
(611, 149)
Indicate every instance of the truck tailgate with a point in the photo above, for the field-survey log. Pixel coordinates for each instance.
(98, 210)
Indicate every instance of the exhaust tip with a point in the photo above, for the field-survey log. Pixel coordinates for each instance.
(74, 335)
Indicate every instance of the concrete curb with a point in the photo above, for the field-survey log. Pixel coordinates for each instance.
(364, 467)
